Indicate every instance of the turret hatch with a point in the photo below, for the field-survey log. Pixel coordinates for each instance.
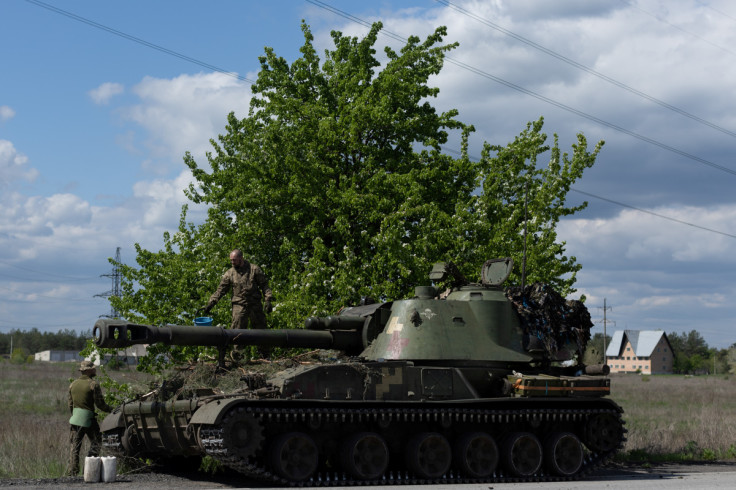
(496, 271)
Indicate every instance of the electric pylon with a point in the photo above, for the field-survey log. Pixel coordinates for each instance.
(115, 291)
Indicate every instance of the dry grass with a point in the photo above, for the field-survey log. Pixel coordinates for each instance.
(677, 416)
(34, 427)
(668, 417)
(34, 418)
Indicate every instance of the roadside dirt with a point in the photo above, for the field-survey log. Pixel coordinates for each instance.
(194, 479)
(140, 481)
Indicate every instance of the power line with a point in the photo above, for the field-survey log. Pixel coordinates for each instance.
(47, 299)
(397, 37)
(653, 213)
(138, 40)
(605, 322)
(46, 273)
(590, 117)
(543, 98)
(724, 14)
(357, 20)
(584, 68)
(660, 19)
(629, 206)
(477, 71)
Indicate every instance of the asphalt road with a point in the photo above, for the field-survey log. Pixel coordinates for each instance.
(690, 477)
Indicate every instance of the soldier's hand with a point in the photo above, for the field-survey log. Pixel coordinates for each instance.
(267, 307)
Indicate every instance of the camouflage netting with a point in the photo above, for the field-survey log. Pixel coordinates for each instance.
(203, 378)
(547, 317)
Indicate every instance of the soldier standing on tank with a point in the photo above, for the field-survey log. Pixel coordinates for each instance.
(84, 395)
(249, 284)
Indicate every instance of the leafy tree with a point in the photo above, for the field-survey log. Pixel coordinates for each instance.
(594, 352)
(34, 341)
(682, 363)
(692, 354)
(516, 190)
(718, 362)
(336, 184)
(689, 344)
(19, 356)
(731, 358)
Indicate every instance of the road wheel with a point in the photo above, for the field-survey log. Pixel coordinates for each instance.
(132, 441)
(476, 454)
(243, 433)
(603, 432)
(523, 454)
(563, 454)
(429, 455)
(294, 456)
(365, 455)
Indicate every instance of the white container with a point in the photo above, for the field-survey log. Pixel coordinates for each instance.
(92, 469)
(109, 468)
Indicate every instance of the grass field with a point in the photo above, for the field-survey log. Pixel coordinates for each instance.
(678, 417)
(34, 417)
(669, 418)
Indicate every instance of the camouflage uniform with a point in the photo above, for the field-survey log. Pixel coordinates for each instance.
(247, 282)
(85, 393)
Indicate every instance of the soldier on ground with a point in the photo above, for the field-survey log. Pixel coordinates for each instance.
(84, 395)
(249, 284)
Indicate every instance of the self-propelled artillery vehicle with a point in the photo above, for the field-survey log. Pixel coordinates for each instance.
(471, 384)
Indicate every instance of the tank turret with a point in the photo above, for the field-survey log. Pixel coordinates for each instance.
(472, 382)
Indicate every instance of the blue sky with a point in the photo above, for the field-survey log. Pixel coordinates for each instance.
(94, 122)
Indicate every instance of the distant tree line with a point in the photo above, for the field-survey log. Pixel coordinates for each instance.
(692, 354)
(33, 340)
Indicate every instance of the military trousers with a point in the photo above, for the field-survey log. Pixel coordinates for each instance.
(250, 316)
(76, 437)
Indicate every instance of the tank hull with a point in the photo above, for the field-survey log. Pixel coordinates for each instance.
(385, 422)
(481, 440)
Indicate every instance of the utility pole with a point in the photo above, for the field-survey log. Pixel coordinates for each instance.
(605, 321)
(115, 291)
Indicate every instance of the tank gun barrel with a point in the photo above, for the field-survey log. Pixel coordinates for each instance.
(120, 334)
(335, 322)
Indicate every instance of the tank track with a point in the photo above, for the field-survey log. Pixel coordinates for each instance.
(214, 441)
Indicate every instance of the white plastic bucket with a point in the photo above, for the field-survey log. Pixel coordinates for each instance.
(92, 467)
(109, 468)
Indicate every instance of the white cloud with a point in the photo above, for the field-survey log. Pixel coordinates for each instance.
(637, 237)
(177, 114)
(183, 113)
(37, 225)
(13, 165)
(102, 94)
(656, 273)
(654, 301)
(6, 113)
(164, 199)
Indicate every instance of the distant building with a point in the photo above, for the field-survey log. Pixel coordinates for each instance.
(58, 356)
(644, 351)
(128, 356)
